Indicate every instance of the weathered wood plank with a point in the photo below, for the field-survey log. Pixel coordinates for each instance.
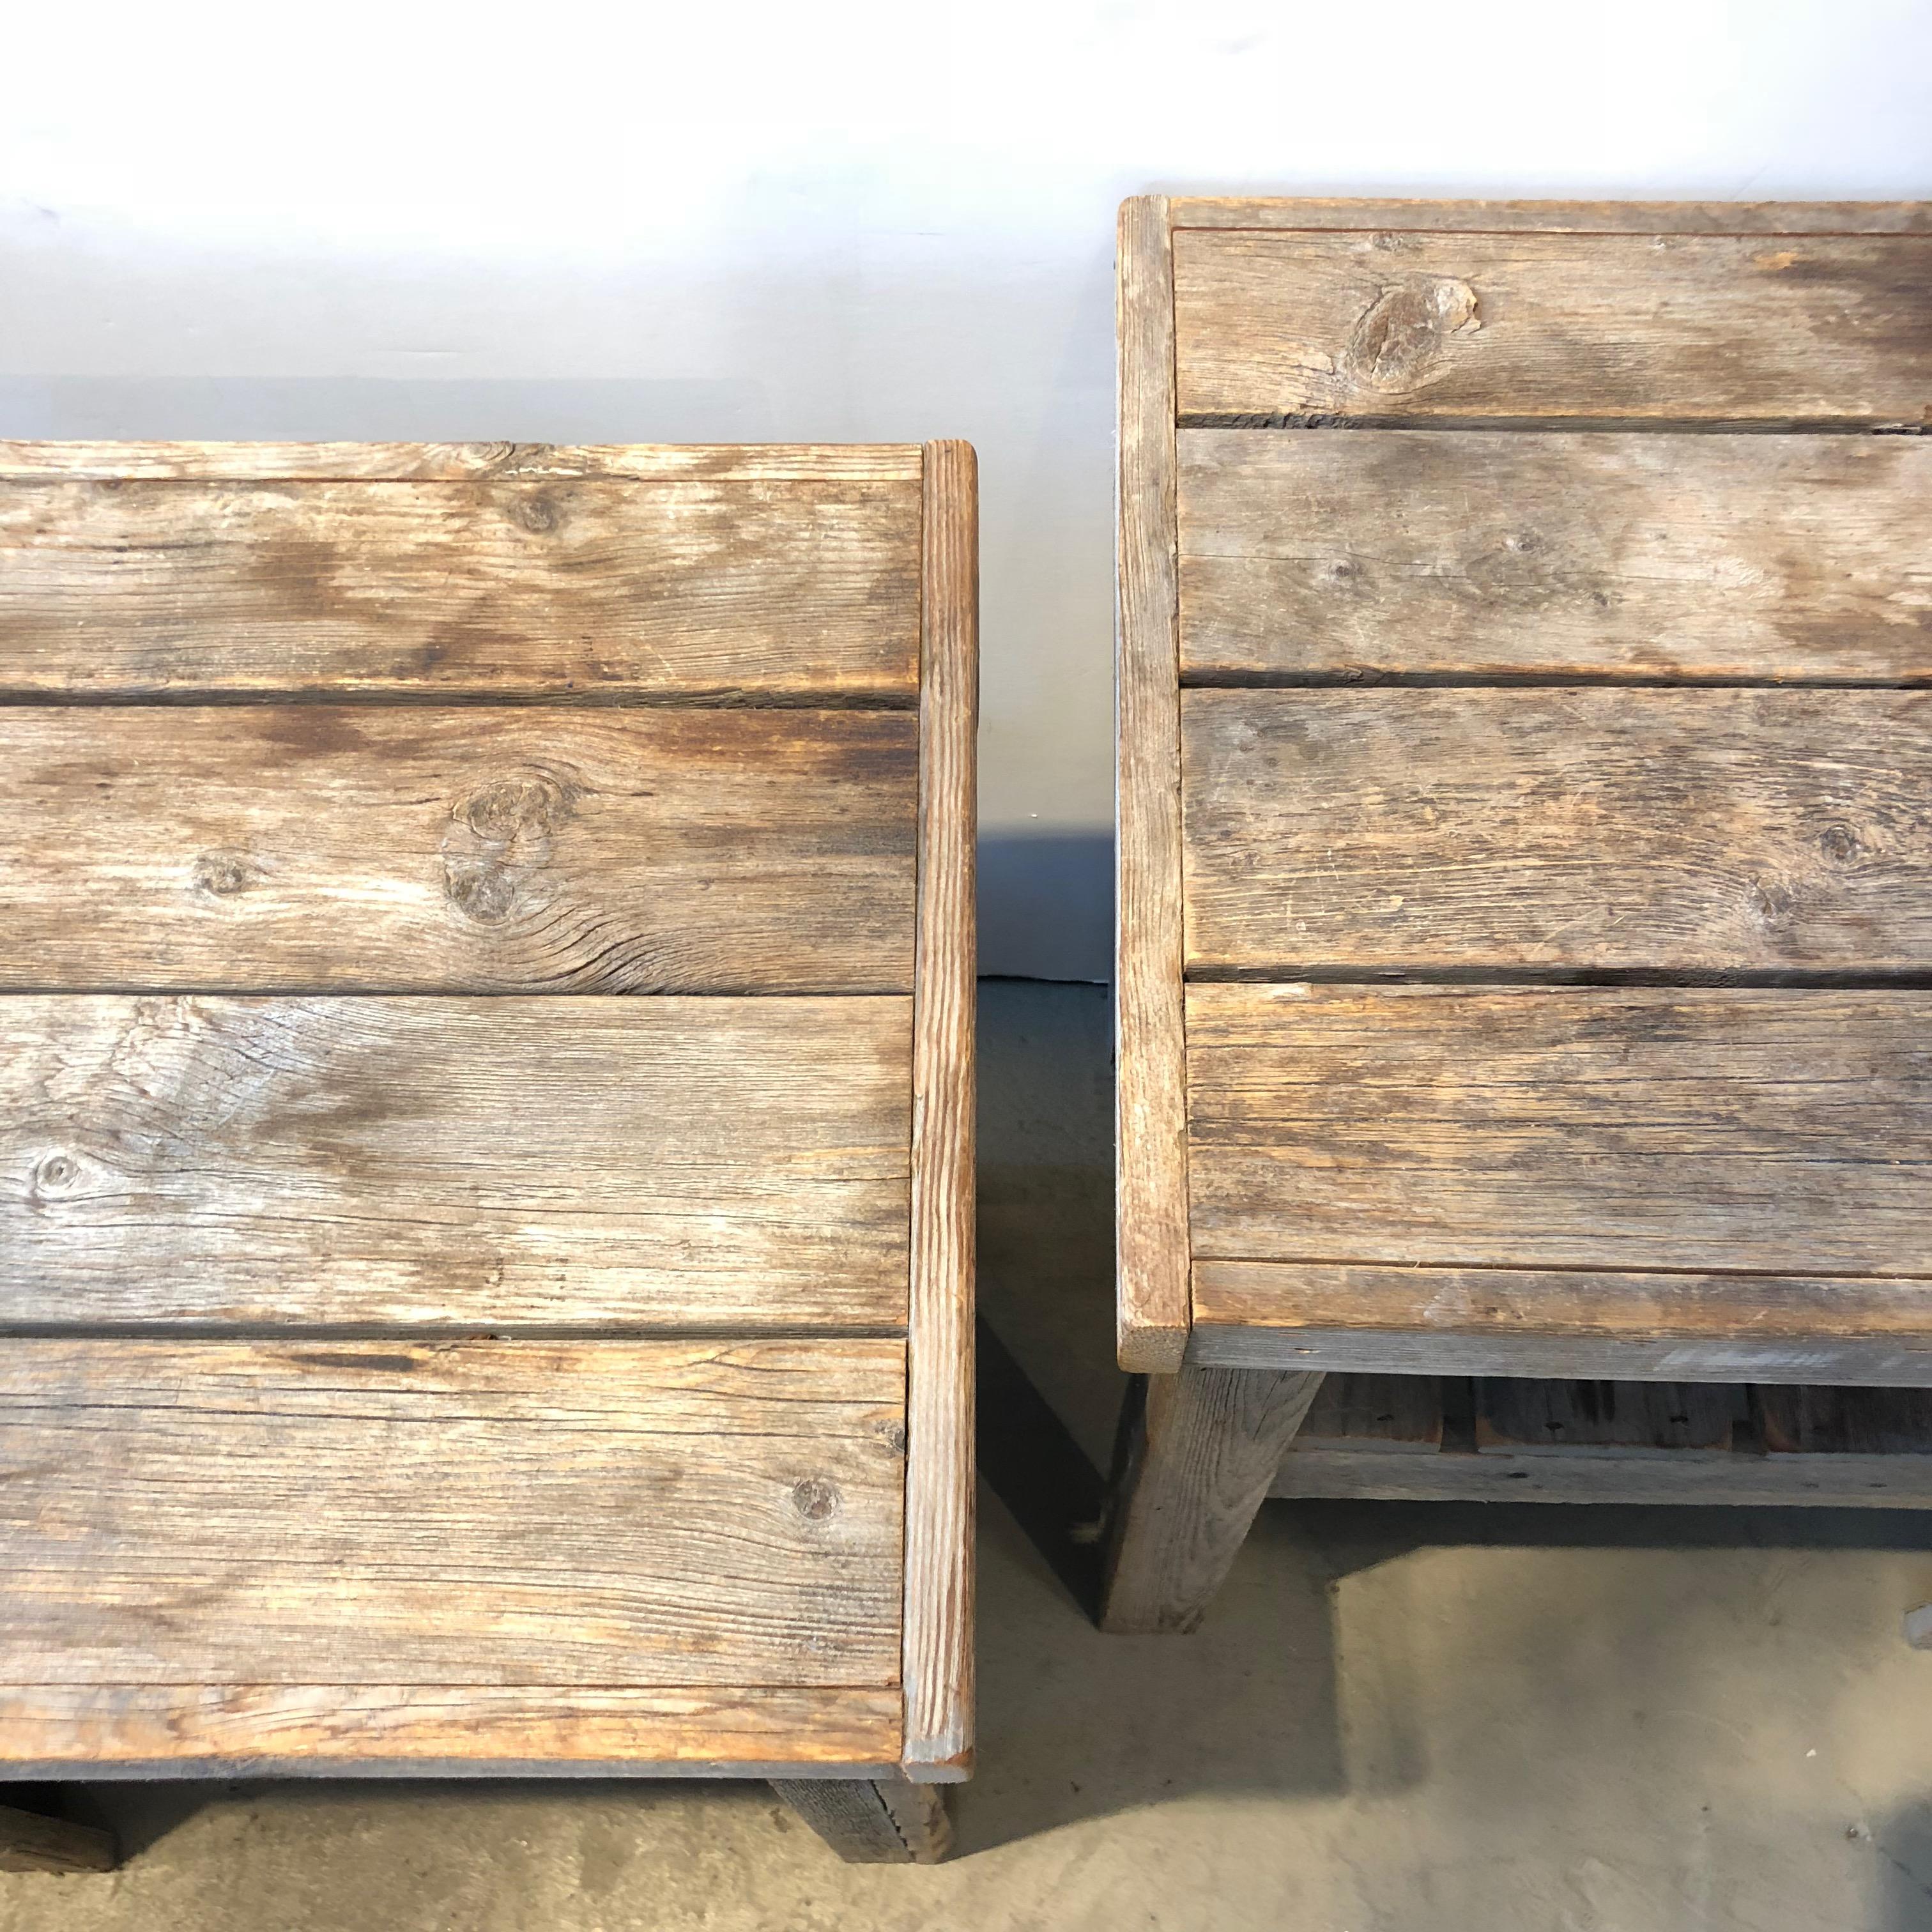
(593, 1513)
(1517, 1417)
(1408, 1321)
(526, 1730)
(1555, 832)
(873, 1821)
(680, 588)
(1196, 1453)
(1641, 1128)
(286, 848)
(938, 1666)
(1711, 1478)
(1307, 554)
(1393, 325)
(659, 1162)
(1617, 1442)
(1151, 1104)
(1376, 1415)
(1813, 1422)
(1613, 218)
(462, 462)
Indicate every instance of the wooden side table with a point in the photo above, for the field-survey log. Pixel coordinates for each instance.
(1526, 887)
(486, 1116)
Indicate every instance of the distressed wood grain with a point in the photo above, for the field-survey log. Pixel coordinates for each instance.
(1627, 217)
(1150, 1107)
(1725, 1444)
(1392, 1415)
(1196, 1453)
(66, 1729)
(484, 849)
(460, 462)
(887, 1821)
(682, 588)
(1821, 1422)
(1517, 1417)
(1441, 553)
(1687, 832)
(1397, 325)
(1692, 1129)
(938, 1662)
(652, 1163)
(1602, 1325)
(599, 1513)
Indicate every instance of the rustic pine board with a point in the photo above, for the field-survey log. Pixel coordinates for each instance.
(1150, 1091)
(1420, 1438)
(938, 1648)
(1305, 555)
(272, 847)
(1501, 327)
(1782, 1130)
(1353, 213)
(602, 1513)
(1555, 832)
(1611, 1324)
(678, 586)
(464, 462)
(649, 1163)
(67, 1730)
(1517, 1417)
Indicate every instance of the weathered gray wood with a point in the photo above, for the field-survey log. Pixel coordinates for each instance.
(1693, 1129)
(1810, 1421)
(1396, 1415)
(1608, 217)
(1711, 1478)
(391, 1512)
(1554, 832)
(647, 1163)
(1618, 1442)
(463, 1730)
(1198, 1450)
(286, 848)
(1150, 1091)
(940, 1482)
(30, 1842)
(873, 1821)
(1305, 553)
(680, 587)
(1408, 1321)
(1390, 326)
(1517, 1417)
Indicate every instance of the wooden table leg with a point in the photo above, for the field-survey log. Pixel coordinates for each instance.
(30, 1842)
(1197, 1452)
(873, 1821)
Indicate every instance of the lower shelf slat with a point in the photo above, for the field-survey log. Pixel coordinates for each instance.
(1449, 1439)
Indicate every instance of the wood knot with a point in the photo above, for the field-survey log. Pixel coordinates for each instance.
(815, 1498)
(539, 515)
(56, 1174)
(499, 837)
(1839, 842)
(223, 874)
(1400, 341)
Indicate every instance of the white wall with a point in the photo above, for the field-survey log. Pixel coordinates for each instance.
(842, 221)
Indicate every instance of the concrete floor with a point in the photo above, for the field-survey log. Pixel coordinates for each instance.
(1467, 1719)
